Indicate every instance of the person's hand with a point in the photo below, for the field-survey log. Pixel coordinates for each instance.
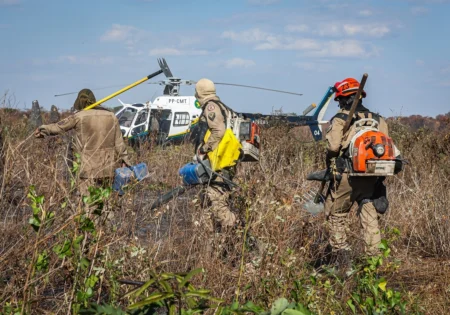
(38, 133)
(200, 156)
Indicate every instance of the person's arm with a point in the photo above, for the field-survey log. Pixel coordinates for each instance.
(334, 138)
(58, 128)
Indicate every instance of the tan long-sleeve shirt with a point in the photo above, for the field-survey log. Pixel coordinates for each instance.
(97, 139)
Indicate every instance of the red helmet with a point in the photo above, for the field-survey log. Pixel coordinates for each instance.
(347, 87)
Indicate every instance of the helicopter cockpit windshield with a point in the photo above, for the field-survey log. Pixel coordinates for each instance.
(126, 116)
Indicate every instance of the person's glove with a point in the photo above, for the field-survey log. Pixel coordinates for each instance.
(38, 133)
(329, 157)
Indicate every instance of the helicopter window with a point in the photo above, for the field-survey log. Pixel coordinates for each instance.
(137, 130)
(181, 119)
(126, 117)
(138, 105)
(142, 117)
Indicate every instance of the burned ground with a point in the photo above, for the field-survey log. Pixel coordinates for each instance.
(282, 239)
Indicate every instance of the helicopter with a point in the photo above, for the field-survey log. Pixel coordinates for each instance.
(169, 116)
(172, 118)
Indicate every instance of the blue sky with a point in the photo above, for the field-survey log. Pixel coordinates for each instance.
(52, 46)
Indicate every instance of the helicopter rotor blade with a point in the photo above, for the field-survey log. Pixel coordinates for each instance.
(190, 82)
(258, 88)
(165, 67)
(97, 89)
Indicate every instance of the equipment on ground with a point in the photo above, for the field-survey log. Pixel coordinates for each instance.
(124, 175)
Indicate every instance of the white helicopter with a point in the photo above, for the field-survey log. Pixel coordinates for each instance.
(172, 117)
(169, 115)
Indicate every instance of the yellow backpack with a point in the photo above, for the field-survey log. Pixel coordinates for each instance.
(227, 153)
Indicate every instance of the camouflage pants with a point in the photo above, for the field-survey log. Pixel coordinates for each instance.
(219, 209)
(338, 205)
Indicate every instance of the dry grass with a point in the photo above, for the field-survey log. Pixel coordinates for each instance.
(174, 237)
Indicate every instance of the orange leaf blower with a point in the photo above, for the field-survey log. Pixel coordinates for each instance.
(372, 153)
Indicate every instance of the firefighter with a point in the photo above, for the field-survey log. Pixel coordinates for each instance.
(215, 115)
(368, 192)
(97, 139)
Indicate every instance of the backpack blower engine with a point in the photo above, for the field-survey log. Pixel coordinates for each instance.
(248, 133)
(371, 152)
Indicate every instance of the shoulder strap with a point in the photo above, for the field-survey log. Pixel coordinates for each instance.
(342, 116)
(221, 107)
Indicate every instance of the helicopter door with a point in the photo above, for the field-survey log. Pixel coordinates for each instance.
(140, 126)
(181, 123)
(164, 125)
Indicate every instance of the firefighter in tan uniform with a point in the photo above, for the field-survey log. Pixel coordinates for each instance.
(367, 191)
(215, 114)
(97, 139)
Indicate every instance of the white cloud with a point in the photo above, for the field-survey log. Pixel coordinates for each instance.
(249, 36)
(86, 60)
(311, 47)
(239, 63)
(420, 62)
(9, 2)
(268, 41)
(177, 52)
(288, 43)
(366, 12)
(344, 48)
(349, 29)
(119, 33)
(263, 2)
(418, 10)
(300, 28)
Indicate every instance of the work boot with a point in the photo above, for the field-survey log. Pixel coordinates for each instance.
(343, 262)
(325, 259)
